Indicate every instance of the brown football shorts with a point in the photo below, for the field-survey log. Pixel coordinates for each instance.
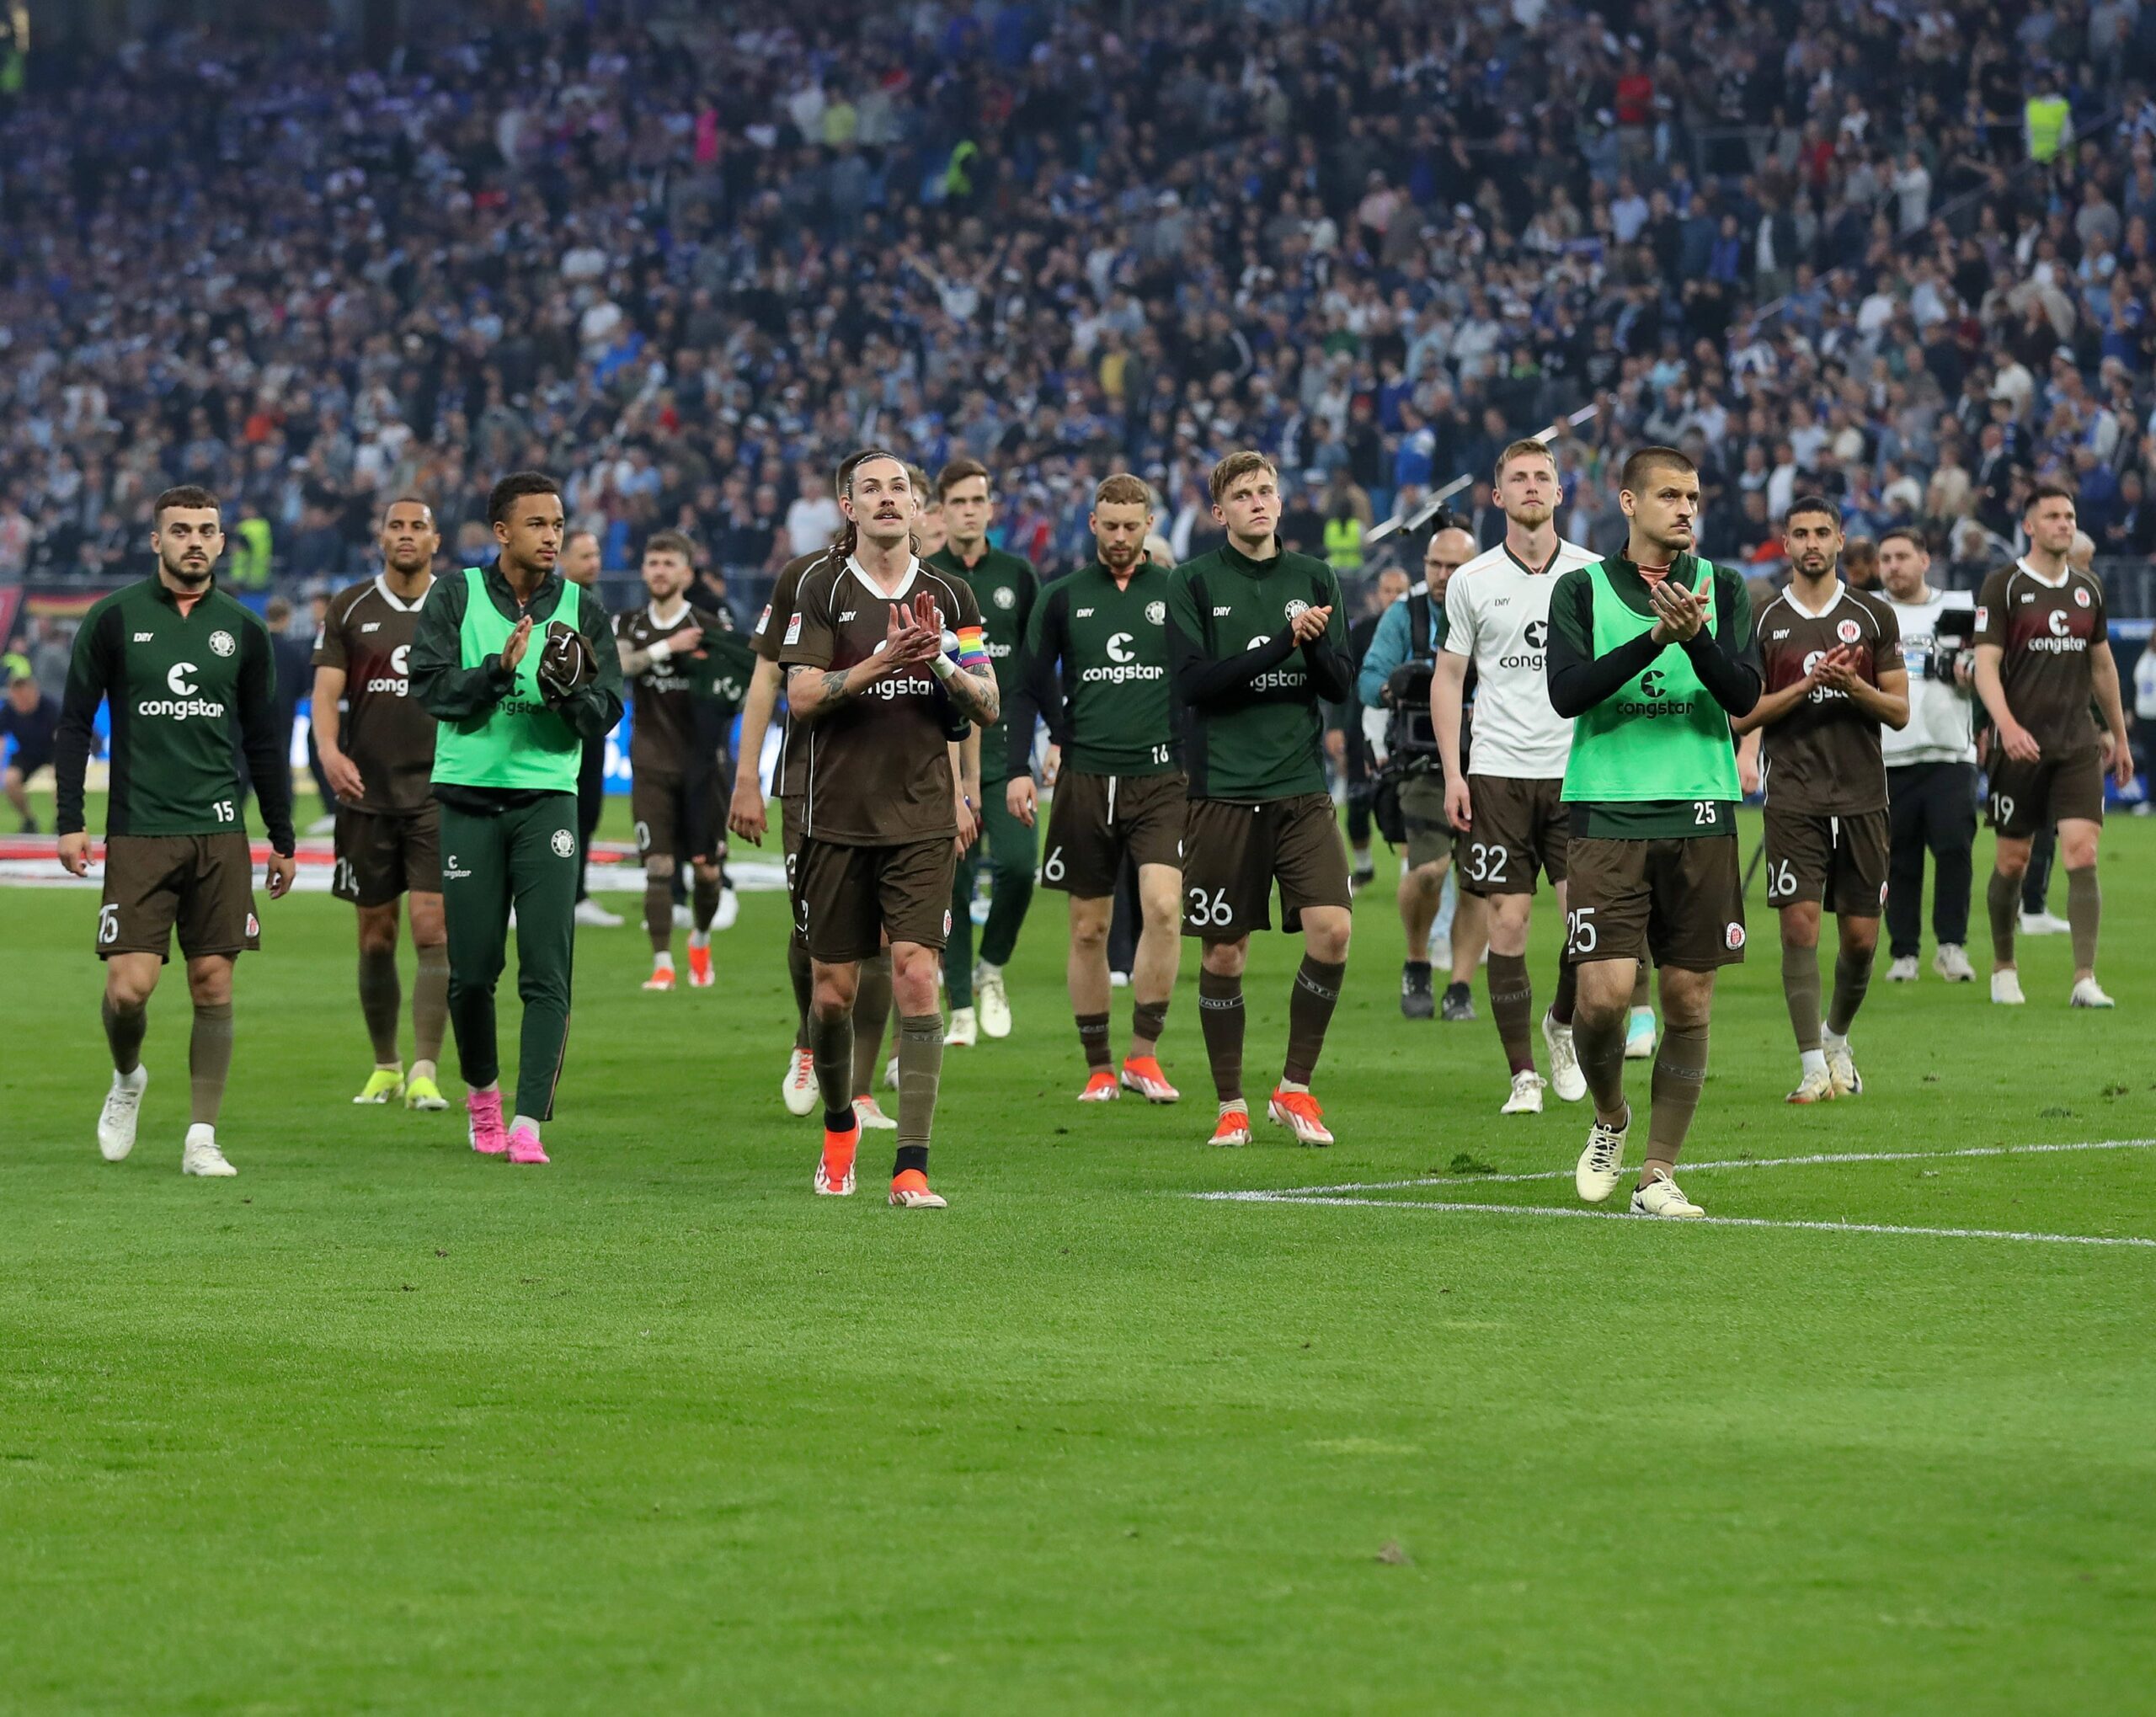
(1680, 901)
(1839, 861)
(202, 883)
(847, 899)
(2022, 798)
(1232, 855)
(380, 855)
(674, 813)
(1431, 838)
(1521, 827)
(1094, 821)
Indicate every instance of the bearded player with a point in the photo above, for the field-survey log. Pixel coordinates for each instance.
(1832, 657)
(1256, 644)
(377, 746)
(669, 794)
(1096, 656)
(871, 679)
(1507, 804)
(191, 685)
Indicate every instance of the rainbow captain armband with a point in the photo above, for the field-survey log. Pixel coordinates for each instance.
(969, 644)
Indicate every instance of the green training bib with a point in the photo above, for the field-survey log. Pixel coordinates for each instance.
(520, 743)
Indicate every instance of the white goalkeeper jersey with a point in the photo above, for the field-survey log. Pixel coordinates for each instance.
(1498, 616)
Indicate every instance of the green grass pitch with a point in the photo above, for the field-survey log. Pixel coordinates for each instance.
(381, 1427)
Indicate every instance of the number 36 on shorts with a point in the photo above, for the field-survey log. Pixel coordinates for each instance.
(1209, 913)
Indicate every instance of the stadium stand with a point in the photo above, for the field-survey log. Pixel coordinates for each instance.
(1906, 259)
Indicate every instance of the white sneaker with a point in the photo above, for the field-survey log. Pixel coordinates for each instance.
(964, 1030)
(1662, 1197)
(202, 1157)
(1118, 980)
(684, 919)
(1841, 1071)
(992, 1005)
(871, 1115)
(593, 916)
(2087, 993)
(1904, 970)
(891, 1073)
(1639, 1035)
(729, 910)
(2006, 987)
(1566, 1077)
(1600, 1163)
(798, 1088)
(1527, 1094)
(1951, 963)
(123, 1104)
(2044, 923)
(1814, 1088)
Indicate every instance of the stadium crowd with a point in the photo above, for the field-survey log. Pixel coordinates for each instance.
(1906, 259)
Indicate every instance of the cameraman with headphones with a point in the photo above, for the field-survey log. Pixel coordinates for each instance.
(1931, 764)
(1410, 809)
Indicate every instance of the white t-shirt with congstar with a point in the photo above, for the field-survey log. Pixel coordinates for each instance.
(1498, 616)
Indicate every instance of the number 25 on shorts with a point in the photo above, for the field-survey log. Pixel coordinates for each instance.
(1580, 935)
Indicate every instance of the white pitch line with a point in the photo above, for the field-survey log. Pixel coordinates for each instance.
(1694, 1168)
(1848, 1227)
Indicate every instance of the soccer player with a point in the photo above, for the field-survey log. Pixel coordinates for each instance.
(1005, 586)
(747, 817)
(1650, 655)
(1096, 657)
(1831, 656)
(875, 686)
(191, 684)
(579, 565)
(518, 666)
(377, 747)
(669, 794)
(1506, 804)
(32, 721)
(2043, 655)
(1256, 642)
(1417, 635)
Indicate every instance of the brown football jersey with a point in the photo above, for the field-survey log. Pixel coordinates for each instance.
(876, 769)
(766, 639)
(1824, 757)
(663, 735)
(2047, 631)
(385, 730)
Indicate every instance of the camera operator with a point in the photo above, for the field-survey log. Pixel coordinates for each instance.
(1931, 764)
(1409, 808)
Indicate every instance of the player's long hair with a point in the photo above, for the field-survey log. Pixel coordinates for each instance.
(849, 534)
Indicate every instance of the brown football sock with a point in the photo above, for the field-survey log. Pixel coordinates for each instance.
(1148, 1020)
(799, 969)
(1093, 1038)
(921, 1076)
(1680, 1068)
(209, 1060)
(1512, 1004)
(381, 1000)
(871, 1012)
(2003, 899)
(1600, 1047)
(430, 1003)
(1568, 989)
(659, 912)
(703, 902)
(831, 1046)
(1852, 979)
(1220, 1018)
(123, 1030)
(2085, 911)
(1801, 990)
(1310, 1004)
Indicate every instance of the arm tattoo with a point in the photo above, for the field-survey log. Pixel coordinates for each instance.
(834, 685)
(975, 695)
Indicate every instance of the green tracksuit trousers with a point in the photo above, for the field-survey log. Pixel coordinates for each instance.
(527, 857)
(1012, 850)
